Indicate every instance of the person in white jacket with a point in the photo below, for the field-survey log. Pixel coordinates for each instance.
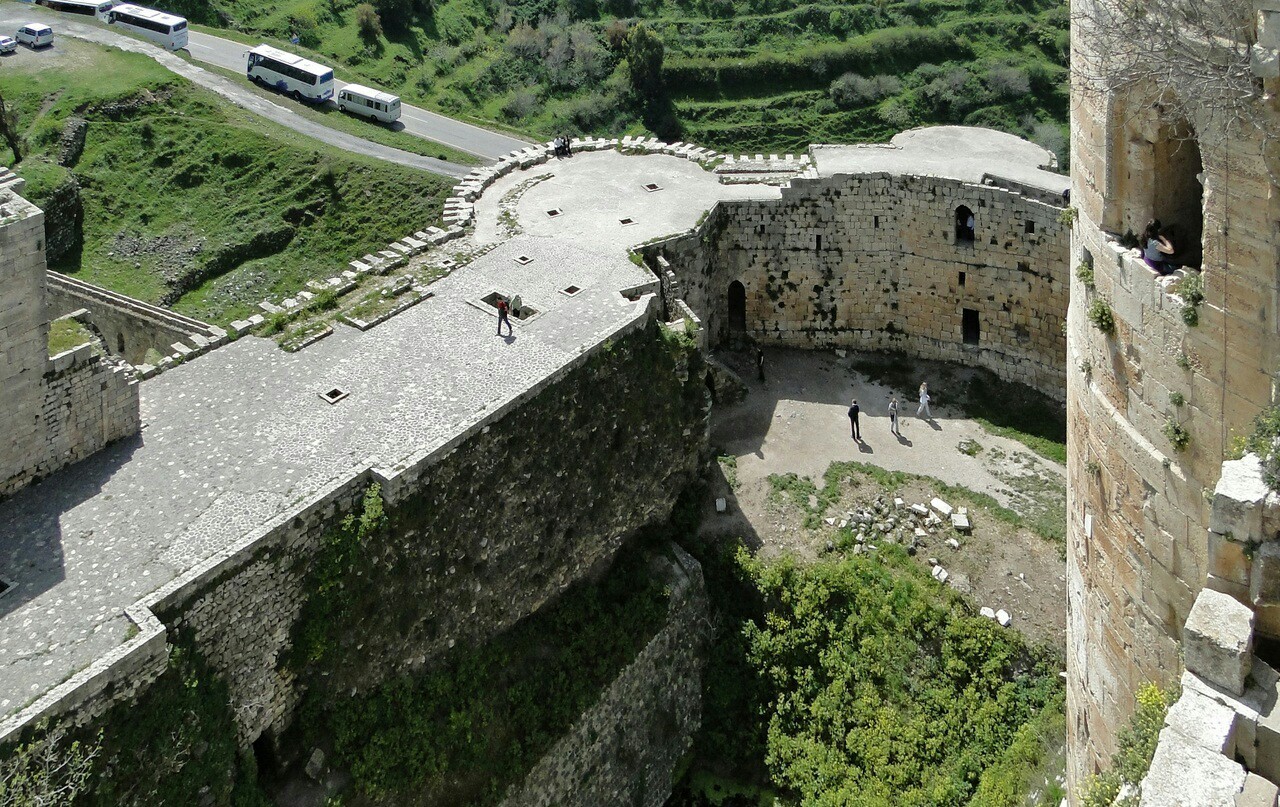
(923, 410)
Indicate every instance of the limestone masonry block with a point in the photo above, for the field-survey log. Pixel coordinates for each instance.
(1183, 774)
(1264, 581)
(1218, 640)
(1204, 721)
(1258, 792)
(1238, 500)
(1227, 559)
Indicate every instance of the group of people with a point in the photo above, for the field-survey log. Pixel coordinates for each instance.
(562, 147)
(922, 411)
(506, 310)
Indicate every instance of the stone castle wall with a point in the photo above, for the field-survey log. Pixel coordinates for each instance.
(625, 748)
(57, 410)
(873, 262)
(483, 532)
(1137, 511)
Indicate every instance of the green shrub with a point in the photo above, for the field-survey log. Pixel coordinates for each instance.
(1100, 315)
(368, 22)
(1191, 290)
(1177, 399)
(1136, 747)
(1084, 273)
(1176, 434)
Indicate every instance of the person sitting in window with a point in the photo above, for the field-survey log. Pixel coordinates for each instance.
(1157, 249)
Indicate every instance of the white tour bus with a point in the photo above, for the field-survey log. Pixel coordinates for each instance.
(371, 103)
(293, 75)
(91, 8)
(166, 30)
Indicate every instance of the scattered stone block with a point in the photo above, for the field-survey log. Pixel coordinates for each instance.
(940, 507)
(953, 543)
(960, 522)
(920, 510)
(940, 574)
(257, 319)
(181, 349)
(241, 326)
(1217, 640)
(315, 764)
(1003, 618)
(831, 521)
(721, 505)
(269, 307)
(898, 502)
(987, 612)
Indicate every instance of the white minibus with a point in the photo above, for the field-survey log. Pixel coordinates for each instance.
(169, 31)
(34, 35)
(302, 79)
(371, 103)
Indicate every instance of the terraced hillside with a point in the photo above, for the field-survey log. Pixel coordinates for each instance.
(730, 74)
(186, 200)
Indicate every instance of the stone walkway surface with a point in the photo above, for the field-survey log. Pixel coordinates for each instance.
(238, 436)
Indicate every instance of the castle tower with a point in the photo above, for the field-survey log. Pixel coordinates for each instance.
(1154, 400)
(57, 410)
(24, 334)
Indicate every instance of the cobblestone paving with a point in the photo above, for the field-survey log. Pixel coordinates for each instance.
(239, 435)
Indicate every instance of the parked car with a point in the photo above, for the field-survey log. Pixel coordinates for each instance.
(35, 35)
(8, 44)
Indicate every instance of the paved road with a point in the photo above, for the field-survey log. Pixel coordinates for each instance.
(13, 15)
(463, 136)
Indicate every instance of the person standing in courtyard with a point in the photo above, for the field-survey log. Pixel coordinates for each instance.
(923, 409)
(853, 421)
(503, 310)
(516, 303)
(893, 417)
(760, 361)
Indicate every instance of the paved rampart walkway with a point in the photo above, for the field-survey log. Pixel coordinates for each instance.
(238, 436)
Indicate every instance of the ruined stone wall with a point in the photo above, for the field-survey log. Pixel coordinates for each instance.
(626, 747)
(129, 327)
(56, 411)
(873, 262)
(1137, 512)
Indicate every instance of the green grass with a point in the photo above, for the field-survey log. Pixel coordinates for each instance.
(193, 202)
(65, 334)
(738, 74)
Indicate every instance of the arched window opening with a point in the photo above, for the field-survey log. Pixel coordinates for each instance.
(1177, 195)
(737, 307)
(964, 225)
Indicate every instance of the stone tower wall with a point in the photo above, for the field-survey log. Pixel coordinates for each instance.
(873, 262)
(1137, 511)
(56, 410)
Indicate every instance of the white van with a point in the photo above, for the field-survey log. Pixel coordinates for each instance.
(371, 103)
(35, 35)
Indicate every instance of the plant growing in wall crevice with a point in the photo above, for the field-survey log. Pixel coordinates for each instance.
(1176, 434)
(1099, 313)
(1135, 748)
(1084, 273)
(1191, 290)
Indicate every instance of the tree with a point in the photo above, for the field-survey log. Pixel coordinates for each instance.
(47, 771)
(644, 51)
(368, 21)
(9, 130)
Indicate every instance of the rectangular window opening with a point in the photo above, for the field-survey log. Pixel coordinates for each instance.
(962, 280)
(1031, 227)
(969, 326)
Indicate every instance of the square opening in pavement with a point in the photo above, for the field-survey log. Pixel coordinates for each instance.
(625, 222)
(448, 263)
(553, 213)
(524, 260)
(570, 290)
(334, 395)
(526, 311)
(652, 186)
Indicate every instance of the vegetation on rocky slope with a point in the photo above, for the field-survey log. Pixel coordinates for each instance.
(192, 202)
(741, 75)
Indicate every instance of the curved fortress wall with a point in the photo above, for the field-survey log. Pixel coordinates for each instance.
(1137, 512)
(878, 262)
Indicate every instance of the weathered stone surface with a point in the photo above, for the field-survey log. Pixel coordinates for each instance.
(1218, 640)
(1257, 792)
(1264, 579)
(1206, 722)
(1184, 774)
(1238, 499)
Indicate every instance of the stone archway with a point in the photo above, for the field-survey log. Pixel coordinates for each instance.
(737, 307)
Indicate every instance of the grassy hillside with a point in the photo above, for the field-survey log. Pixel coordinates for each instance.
(192, 202)
(736, 75)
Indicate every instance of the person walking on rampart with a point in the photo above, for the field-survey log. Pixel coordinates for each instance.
(760, 362)
(503, 309)
(923, 409)
(853, 420)
(893, 417)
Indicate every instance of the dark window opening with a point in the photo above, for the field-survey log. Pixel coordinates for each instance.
(1177, 197)
(1031, 227)
(965, 225)
(969, 326)
(264, 754)
(875, 222)
(819, 242)
(711, 388)
(962, 279)
(737, 306)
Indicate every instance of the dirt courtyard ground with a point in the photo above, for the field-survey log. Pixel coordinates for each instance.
(796, 422)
